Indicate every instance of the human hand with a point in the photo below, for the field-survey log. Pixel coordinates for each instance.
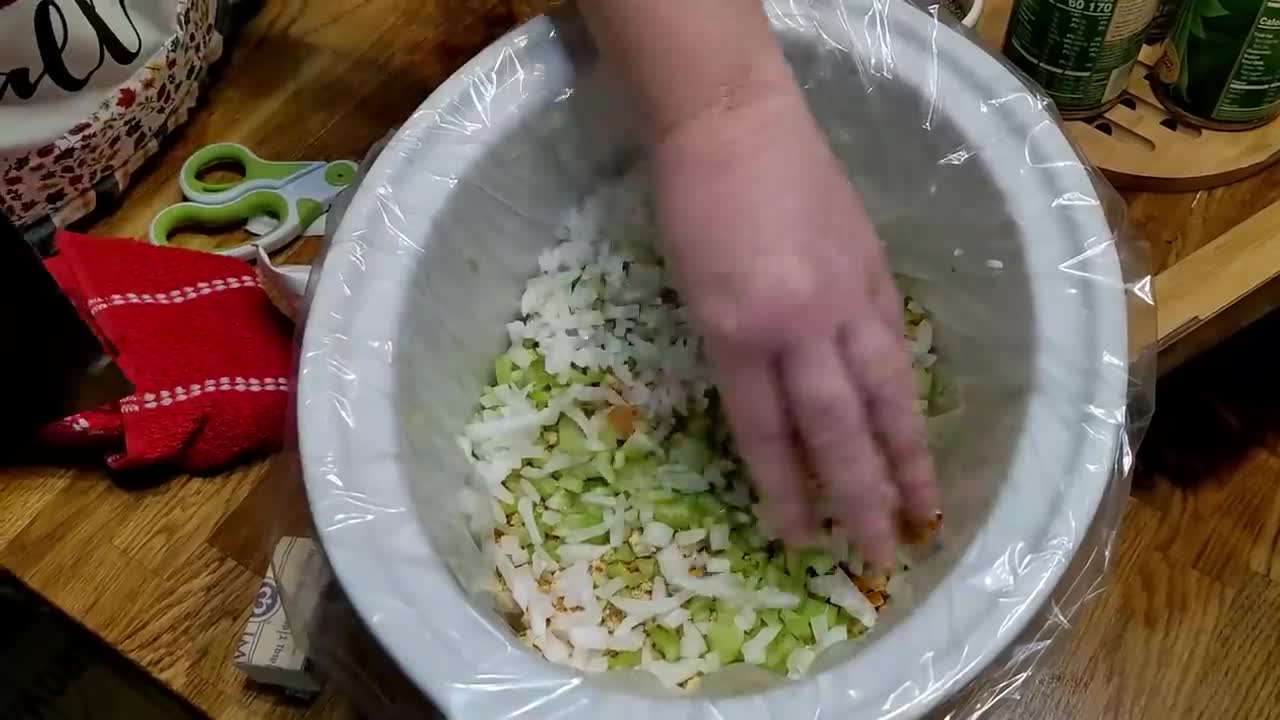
(783, 273)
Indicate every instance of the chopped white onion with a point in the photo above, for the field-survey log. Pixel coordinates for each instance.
(818, 623)
(611, 588)
(798, 662)
(525, 506)
(672, 674)
(718, 565)
(674, 619)
(837, 634)
(838, 588)
(719, 539)
(690, 537)
(580, 552)
(692, 644)
(589, 637)
(657, 534)
(753, 650)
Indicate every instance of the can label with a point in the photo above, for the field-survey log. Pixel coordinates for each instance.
(1080, 51)
(1222, 60)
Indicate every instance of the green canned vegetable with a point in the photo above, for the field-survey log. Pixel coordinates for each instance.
(1221, 64)
(1080, 51)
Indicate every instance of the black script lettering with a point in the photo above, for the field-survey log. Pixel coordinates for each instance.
(51, 33)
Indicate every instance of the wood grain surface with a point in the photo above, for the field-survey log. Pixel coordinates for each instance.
(167, 573)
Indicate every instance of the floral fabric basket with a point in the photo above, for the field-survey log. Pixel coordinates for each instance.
(88, 89)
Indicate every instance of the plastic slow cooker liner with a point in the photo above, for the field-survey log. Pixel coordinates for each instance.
(1041, 301)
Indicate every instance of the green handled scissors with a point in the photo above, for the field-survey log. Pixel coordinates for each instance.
(295, 194)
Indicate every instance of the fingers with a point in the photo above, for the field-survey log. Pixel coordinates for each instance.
(877, 358)
(828, 409)
(886, 298)
(753, 400)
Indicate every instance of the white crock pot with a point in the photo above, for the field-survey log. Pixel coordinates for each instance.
(982, 202)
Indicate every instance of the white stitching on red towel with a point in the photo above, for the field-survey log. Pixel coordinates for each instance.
(78, 423)
(173, 297)
(164, 398)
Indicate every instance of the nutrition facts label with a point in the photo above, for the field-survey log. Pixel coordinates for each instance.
(1079, 51)
(1255, 81)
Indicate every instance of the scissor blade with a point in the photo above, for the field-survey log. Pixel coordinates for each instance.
(264, 224)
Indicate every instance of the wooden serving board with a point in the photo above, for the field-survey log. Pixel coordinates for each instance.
(1219, 289)
(1140, 146)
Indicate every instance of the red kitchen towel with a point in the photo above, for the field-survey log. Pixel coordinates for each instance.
(207, 353)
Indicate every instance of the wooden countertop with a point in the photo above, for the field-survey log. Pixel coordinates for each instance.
(167, 574)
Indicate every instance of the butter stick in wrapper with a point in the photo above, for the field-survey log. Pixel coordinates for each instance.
(268, 652)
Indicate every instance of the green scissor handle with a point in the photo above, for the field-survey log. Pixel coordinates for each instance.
(256, 203)
(258, 173)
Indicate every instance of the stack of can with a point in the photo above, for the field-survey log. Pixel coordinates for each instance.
(1219, 68)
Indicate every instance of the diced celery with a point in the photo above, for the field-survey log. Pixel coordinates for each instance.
(608, 436)
(797, 625)
(572, 440)
(559, 500)
(710, 507)
(833, 615)
(793, 584)
(770, 616)
(679, 513)
(599, 578)
(571, 483)
(637, 474)
(522, 535)
(546, 486)
(666, 642)
(623, 553)
(603, 464)
(660, 495)
(512, 484)
(635, 580)
(924, 382)
(758, 559)
(814, 607)
(638, 446)
(779, 650)
(503, 368)
(540, 398)
(725, 639)
(624, 660)
(821, 562)
(584, 517)
(795, 562)
(689, 452)
(752, 538)
(774, 577)
(647, 567)
(699, 426)
(552, 546)
(616, 569)
(700, 608)
(737, 561)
